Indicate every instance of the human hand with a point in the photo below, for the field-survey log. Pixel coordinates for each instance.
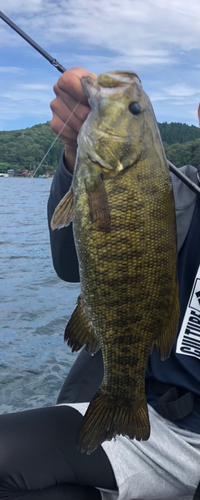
(69, 92)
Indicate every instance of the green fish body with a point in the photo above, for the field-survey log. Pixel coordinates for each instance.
(122, 206)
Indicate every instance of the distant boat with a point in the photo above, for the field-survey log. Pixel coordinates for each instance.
(3, 175)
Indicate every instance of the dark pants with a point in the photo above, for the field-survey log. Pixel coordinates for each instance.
(39, 459)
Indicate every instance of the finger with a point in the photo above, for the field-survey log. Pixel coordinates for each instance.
(68, 135)
(65, 104)
(65, 114)
(70, 83)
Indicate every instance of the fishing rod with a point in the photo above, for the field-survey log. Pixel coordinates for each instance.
(184, 178)
(61, 68)
(35, 45)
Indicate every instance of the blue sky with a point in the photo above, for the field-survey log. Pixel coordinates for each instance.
(158, 39)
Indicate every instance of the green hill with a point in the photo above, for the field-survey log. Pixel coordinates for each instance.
(24, 149)
(172, 133)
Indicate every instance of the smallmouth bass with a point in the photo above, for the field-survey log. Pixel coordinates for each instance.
(122, 206)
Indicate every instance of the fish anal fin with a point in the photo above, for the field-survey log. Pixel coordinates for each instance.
(164, 345)
(105, 419)
(98, 203)
(78, 331)
(63, 213)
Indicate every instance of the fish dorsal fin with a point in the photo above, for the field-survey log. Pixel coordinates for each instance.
(63, 213)
(78, 331)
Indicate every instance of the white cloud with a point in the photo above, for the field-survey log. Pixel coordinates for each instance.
(159, 39)
(180, 90)
(24, 99)
(136, 62)
(176, 92)
(35, 96)
(34, 86)
(124, 27)
(16, 6)
(10, 69)
(16, 109)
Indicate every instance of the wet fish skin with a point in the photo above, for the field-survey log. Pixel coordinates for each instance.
(125, 236)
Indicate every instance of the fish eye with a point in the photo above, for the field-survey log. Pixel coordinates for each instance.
(135, 108)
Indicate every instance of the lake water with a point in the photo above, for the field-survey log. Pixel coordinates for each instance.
(34, 303)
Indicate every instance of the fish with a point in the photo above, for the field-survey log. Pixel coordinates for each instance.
(122, 206)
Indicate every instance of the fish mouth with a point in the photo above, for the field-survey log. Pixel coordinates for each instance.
(90, 86)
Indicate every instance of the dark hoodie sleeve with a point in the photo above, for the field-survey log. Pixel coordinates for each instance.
(62, 242)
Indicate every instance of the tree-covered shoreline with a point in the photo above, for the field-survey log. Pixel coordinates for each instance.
(24, 149)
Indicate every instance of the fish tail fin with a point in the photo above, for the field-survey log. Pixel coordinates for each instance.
(105, 419)
(63, 213)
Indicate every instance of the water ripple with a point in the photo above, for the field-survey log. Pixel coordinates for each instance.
(34, 303)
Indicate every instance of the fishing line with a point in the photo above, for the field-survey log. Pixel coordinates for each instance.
(46, 154)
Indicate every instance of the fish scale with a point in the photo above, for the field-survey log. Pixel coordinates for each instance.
(125, 236)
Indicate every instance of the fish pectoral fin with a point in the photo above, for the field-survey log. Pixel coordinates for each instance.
(63, 213)
(105, 418)
(98, 203)
(78, 332)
